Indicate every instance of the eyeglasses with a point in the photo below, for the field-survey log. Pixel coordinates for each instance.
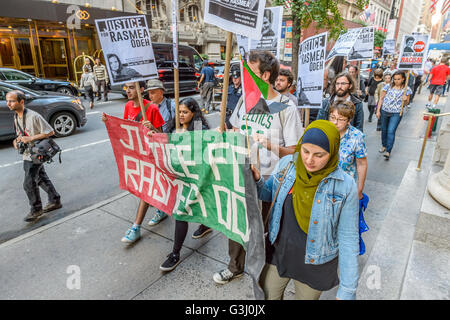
(333, 118)
(342, 83)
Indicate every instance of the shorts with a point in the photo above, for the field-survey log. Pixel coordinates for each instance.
(437, 89)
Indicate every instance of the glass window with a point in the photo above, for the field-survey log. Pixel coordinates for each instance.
(14, 75)
(6, 52)
(163, 56)
(24, 51)
(193, 13)
(3, 92)
(197, 61)
(155, 8)
(182, 15)
(185, 57)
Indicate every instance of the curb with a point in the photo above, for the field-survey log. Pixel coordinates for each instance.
(63, 220)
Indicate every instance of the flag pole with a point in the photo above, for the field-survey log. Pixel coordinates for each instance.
(175, 62)
(226, 78)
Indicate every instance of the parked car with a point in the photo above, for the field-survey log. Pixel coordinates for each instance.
(190, 63)
(64, 113)
(24, 79)
(219, 69)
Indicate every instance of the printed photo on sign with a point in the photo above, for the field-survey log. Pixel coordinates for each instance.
(311, 64)
(413, 52)
(244, 17)
(389, 47)
(363, 47)
(344, 43)
(270, 34)
(127, 49)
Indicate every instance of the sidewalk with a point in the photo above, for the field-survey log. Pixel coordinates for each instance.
(44, 263)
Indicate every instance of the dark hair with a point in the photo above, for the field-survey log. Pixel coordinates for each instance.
(378, 72)
(397, 73)
(288, 74)
(409, 38)
(86, 68)
(356, 68)
(109, 56)
(337, 64)
(349, 78)
(267, 62)
(193, 106)
(20, 96)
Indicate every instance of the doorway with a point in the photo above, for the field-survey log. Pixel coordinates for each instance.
(18, 53)
(54, 56)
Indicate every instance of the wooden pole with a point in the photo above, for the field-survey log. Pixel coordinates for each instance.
(176, 73)
(358, 83)
(404, 93)
(306, 117)
(226, 78)
(141, 103)
(430, 118)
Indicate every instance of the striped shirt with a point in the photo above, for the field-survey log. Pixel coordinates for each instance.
(100, 72)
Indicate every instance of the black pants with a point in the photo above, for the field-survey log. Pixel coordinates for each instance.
(90, 93)
(35, 177)
(101, 85)
(181, 229)
(371, 111)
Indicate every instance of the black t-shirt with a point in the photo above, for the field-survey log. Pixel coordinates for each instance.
(288, 254)
(373, 85)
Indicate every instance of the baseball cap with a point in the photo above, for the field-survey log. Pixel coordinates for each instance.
(154, 84)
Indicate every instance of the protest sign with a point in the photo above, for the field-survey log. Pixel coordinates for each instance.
(197, 176)
(270, 34)
(413, 52)
(127, 48)
(243, 17)
(389, 47)
(344, 43)
(363, 47)
(311, 64)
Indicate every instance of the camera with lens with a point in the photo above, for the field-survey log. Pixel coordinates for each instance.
(22, 147)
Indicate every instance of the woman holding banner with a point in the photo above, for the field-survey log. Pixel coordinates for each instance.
(313, 227)
(191, 118)
(393, 97)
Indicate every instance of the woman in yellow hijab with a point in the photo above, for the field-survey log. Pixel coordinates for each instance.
(313, 223)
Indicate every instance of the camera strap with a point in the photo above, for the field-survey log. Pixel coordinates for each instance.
(16, 123)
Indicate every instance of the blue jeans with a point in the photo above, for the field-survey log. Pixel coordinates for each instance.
(389, 124)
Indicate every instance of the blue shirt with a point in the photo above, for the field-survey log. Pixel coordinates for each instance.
(352, 147)
(209, 74)
(233, 96)
(392, 102)
(165, 113)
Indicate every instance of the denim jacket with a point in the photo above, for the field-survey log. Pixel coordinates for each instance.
(333, 227)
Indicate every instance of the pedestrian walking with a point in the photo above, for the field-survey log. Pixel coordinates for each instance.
(87, 63)
(278, 135)
(166, 107)
(101, 79)
(389, 108)
(88, 84)
(191, 118)
(30, 127)
(360, 87)
(387, 80)
(283, 84)
(352, 148)
(304, 244)
(206, 83)
(439, 74)
(155, 122)
(370, 91)
(343, 88)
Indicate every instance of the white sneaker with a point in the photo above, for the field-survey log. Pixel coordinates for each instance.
(225, 276)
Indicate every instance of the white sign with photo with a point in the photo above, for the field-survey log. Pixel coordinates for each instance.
(270, 34)
(127, 48)
(244, 17)
(363, 47)
(389, 47)
(311, 67)
(413, 52)
(344, 43)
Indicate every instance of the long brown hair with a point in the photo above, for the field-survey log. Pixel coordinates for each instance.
(399, 73)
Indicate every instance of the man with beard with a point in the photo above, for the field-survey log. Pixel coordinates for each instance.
(343, 88)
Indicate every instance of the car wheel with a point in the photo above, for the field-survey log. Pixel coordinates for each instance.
(64, 124)
(65, 90)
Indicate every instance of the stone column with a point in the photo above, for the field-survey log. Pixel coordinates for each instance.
(439, 185)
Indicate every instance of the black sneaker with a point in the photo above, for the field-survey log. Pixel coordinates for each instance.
(52, 206)
(201, 231)
(171, 263)
(33, 215)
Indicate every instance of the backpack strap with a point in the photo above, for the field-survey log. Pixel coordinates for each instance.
(139, 116)
(16, 123)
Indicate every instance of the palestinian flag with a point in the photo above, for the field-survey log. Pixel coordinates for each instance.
(255, 93)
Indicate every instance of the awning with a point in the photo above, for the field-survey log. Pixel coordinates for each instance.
(444, 46)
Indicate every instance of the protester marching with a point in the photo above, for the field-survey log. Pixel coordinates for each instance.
(283, 176)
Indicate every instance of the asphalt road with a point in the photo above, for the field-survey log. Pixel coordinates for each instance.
(87, 174)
